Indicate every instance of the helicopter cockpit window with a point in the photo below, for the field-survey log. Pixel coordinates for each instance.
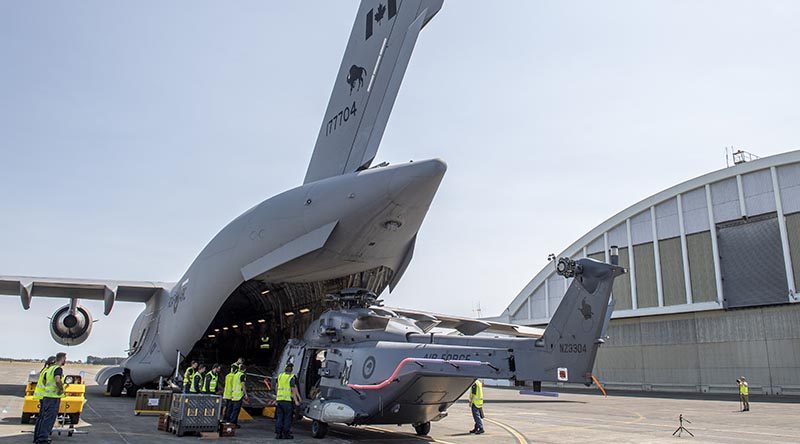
(371, 323)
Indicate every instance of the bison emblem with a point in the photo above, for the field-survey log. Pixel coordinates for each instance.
(356, 74)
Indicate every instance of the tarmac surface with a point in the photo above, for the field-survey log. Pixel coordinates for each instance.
(510, 418)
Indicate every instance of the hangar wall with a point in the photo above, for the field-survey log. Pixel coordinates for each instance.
(711, 291)
(705, 351)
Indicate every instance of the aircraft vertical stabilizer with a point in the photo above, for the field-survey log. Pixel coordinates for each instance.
(578, 326)
(373, 66)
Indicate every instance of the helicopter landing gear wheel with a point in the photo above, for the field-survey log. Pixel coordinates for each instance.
(319, 429)
(423, 429)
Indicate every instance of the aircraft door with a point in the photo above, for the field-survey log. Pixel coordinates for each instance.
(315, 361)
(294, 353)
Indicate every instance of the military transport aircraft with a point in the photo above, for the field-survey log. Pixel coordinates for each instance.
(262, 280)
(350, 224)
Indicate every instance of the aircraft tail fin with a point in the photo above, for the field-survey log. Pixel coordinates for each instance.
(373, 66)
(578, 326)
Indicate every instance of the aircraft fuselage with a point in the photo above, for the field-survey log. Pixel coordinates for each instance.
(310, 239)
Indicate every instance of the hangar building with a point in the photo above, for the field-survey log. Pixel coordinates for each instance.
(710, 295)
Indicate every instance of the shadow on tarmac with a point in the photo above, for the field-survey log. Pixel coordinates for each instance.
(17, 390)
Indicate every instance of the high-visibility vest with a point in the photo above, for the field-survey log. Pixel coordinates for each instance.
(211, 382)
(188, 374)
(50, 387)
(476, 398)
(226, 391)
(38, 391)
(197, 383)
(744, 389)
(284, 392)
(237, 388)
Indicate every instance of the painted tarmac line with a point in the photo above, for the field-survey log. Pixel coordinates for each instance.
(118, 433)
(514, 432)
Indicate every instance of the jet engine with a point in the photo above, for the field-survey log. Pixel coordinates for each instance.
(71, 324)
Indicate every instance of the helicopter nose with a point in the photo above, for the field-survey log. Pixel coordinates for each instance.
(416, 182)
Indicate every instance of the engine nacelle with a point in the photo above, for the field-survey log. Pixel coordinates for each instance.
(71, 327)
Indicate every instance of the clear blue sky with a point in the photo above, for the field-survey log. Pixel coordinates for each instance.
(130, 133)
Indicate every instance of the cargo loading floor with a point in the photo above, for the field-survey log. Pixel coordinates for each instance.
(511, 418)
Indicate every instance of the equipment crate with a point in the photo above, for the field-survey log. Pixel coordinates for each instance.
(152, 402)
(194, 413)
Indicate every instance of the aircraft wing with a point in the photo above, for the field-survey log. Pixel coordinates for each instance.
(373, 66)
(466, 326)
(26, 287)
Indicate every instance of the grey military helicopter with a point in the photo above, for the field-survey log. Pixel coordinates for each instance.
(362, 363)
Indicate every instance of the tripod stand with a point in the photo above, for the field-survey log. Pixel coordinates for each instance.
(682, 429)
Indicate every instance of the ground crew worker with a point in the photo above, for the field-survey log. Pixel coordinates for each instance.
(198, 379)
(38, 391)
(476, 405)
(744, 393)
(287, 396)
(210, 383)
(50, 379)
(188, 375)
(238, 393)
(226, 391)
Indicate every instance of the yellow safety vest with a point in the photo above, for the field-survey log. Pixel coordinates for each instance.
(38, 391)
(188, 374)
(211, 382)
(476, 399)
(284, 392)
(226, 391)
(50, 387)
(744, 389)
(237, 389)
(197, 381)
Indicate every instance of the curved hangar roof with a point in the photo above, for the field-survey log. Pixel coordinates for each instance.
(727, 239)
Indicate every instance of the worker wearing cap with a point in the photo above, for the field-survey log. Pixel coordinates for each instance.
(287, 396)
(476, 405)
(744, 393)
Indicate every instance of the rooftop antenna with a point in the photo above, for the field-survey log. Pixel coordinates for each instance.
(738, 156)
